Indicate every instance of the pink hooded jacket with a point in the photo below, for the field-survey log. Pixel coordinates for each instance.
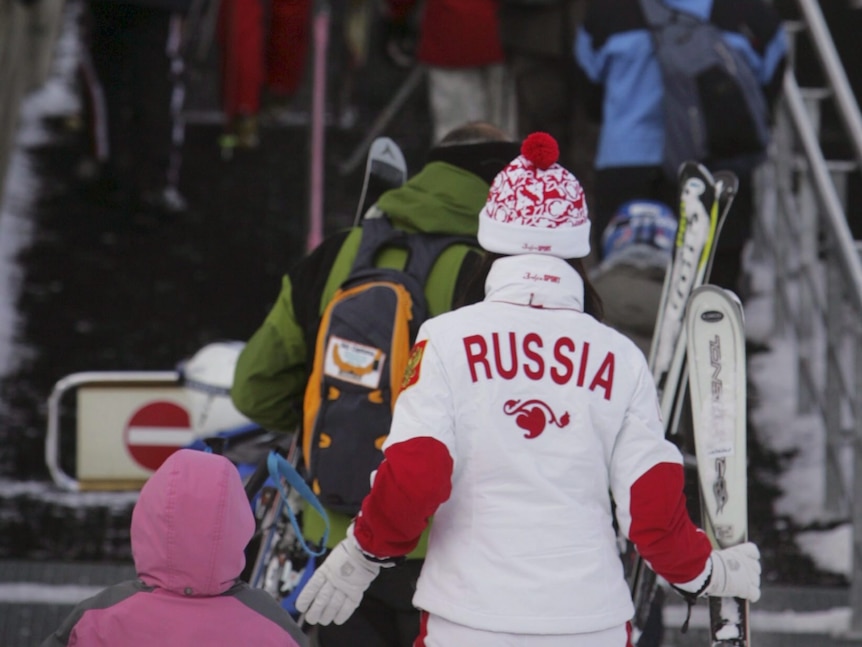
(189, 529)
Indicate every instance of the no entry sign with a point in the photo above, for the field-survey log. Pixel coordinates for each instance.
(157, 430)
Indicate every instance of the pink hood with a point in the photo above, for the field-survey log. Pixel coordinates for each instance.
(191, 524)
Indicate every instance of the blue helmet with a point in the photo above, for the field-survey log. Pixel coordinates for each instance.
(640, 223)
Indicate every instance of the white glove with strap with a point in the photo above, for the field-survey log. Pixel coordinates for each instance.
(336, 588)
(735, 573)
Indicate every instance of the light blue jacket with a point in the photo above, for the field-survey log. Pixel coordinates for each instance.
(614, 49)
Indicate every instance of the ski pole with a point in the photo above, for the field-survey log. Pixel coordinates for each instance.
(318, 136)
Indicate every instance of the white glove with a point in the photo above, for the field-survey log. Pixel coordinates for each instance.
(735, 573)
(335, 590)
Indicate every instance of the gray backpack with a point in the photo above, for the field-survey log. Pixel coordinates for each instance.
(714, 108)
(361, 358)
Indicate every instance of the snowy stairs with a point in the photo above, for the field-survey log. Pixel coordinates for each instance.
(40, 521)
(784, 617)
(35, 595)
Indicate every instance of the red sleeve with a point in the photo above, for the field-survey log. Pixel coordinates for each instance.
(661, 529)
(414, 478)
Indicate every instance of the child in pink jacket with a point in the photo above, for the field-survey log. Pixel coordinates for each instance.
(189, 530)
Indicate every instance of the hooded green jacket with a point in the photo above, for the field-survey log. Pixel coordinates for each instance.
(273, 368)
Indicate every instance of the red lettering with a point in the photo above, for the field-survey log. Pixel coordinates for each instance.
(561, 367)
(605, 376)
(505, 373)
(532, 339)
(582, 369)
(478, 356)
(564, 361)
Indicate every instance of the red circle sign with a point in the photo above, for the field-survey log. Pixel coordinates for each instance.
(157, 430)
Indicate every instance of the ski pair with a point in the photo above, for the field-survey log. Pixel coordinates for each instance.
(705, 200)
(280, 559)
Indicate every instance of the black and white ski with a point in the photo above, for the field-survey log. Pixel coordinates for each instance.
(715, 340)
(385, 169)
(726, 184)
(700, 219)
(704, 203)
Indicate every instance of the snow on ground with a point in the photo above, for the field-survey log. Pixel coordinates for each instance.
(781, 429)
(31, 593)
(15, 232)
(55, 97)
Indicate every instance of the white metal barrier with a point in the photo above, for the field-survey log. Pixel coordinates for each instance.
(125, 424)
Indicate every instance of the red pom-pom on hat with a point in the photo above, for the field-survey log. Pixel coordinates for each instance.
(541, 149)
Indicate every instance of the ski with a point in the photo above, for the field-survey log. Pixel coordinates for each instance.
(727, 184)
(385, 169)
(704, 203)
(698, 224)
(281, 561)
(717, 382)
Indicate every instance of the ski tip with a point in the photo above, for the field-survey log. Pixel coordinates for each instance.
(690, 168)
(729, 183)
(386, 150)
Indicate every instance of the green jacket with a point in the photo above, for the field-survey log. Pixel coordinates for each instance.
(273, 368)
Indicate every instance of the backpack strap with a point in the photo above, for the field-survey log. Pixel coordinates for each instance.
(423, 249)
(425, 252)
(281, 471)
(376, 234)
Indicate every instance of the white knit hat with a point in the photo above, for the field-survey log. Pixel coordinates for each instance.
(535, 206)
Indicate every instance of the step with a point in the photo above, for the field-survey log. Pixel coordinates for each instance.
(785, 616)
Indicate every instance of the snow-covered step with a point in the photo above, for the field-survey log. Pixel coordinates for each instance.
(783, 617)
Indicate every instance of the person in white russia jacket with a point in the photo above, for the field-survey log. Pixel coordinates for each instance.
(521, 419)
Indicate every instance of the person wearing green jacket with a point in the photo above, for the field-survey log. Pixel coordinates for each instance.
(272, 371)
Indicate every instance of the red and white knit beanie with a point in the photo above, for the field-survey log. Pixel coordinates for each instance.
(535, 206)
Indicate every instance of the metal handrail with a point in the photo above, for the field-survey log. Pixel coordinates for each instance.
(848, 109)
(802, 232)
(831, 204)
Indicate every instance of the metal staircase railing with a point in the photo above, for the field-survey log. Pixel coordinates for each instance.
(801, 235)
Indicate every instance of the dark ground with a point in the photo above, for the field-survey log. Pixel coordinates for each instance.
(106, 291)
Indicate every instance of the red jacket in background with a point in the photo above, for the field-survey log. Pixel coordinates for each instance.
(456, 33)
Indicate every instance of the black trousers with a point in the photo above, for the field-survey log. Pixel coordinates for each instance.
(134, 88)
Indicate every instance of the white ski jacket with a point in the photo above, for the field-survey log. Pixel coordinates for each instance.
(521, 416)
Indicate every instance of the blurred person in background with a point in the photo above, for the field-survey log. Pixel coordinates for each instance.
(133, 94)
(461, 48)
(263, 47)
(624, 94)
(538, 37)
(637, 248)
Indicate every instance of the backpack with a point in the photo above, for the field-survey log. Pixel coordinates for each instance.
(363, 344)
(714, 108)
